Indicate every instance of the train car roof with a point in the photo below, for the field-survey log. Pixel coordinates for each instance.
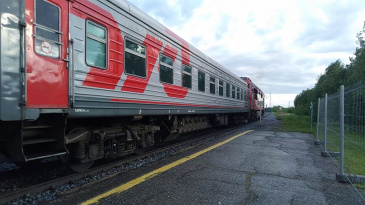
(145, 18)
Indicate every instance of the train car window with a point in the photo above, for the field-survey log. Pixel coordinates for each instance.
(233, 91)
(238, 93)
(221, 88)
(186, 76)
(47, 29)
(212, 85)
(242, 94)
(166, 69)
(95, 45)
(201, 81)
(228, 90)
(135, 59)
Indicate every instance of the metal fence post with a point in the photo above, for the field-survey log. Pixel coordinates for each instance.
(342, 128)
(319, 107)
(311, 116)
(325, 124)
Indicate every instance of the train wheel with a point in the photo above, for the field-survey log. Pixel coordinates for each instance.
(76, 154)
(76, 166)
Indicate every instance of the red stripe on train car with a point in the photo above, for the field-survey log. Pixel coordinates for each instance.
(97, 77)
(173, 90)
(138, 85)
(184, 47)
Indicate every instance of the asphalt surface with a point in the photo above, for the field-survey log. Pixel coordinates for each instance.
(261, 167)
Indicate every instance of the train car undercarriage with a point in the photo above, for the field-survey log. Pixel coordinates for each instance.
(80, 142)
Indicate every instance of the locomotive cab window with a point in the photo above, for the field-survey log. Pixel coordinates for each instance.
(135, 59)
(166, 69)
(201, 81)
(212, 85)
(95, 45)
(255, 91)
(228, 89)
(221, 88)
(47, 29)
(186, 76)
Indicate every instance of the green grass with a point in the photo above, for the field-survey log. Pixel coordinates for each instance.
(295, 123)
(354, 145)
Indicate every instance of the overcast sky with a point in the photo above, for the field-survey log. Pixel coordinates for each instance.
(282, 45)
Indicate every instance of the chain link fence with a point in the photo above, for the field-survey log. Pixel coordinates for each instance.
(341, 132)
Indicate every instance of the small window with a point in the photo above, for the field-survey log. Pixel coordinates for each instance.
(201, 81)
(238, 93)
(166, 69)
(221, 88)
(233, 91)
(95, 45)
(47, 29)
(135, 59)
(212, 85)
(242, 94)
(186, 76)
(228, 89)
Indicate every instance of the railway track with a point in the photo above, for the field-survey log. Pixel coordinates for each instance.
(204, 137)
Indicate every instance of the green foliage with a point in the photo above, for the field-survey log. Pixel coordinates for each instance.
(290, 110)
(336, 74)
(356, 71)
(276, 109)
(295, 123)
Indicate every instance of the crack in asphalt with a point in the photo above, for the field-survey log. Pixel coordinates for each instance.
(251, 195)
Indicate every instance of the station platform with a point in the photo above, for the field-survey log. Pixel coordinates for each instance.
(254, 167)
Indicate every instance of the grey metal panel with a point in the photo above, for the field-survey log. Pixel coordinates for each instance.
(12, 13)
(96, 107)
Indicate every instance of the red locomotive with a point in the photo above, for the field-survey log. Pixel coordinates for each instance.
(257, 99)
(93, 79)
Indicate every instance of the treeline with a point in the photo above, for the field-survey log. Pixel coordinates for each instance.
(336, 74)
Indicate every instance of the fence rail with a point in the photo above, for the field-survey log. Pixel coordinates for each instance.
(341, 132)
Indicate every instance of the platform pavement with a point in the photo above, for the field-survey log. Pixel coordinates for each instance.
(261, 167)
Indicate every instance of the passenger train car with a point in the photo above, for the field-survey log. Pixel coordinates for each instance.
(92, 79)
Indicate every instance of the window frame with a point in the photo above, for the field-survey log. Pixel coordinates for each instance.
(220, 86)
(97, 39)
(59, 32)
(210, 85)
(168, 66)
(134, 53)
(203, 81)
(238, 93)
(186, 73)
(233, 93)
(228, 90)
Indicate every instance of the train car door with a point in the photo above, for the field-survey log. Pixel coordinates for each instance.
(46, 53)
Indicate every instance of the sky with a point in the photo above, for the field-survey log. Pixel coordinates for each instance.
(281, 45)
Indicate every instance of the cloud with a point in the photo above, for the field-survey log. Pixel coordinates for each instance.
(170, 12)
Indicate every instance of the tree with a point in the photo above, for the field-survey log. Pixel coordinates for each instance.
(336, 74)
(356, 68)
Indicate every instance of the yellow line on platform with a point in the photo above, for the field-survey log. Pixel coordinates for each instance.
(156, 172)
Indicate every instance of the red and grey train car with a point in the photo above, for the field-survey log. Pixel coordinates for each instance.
(90, 79)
